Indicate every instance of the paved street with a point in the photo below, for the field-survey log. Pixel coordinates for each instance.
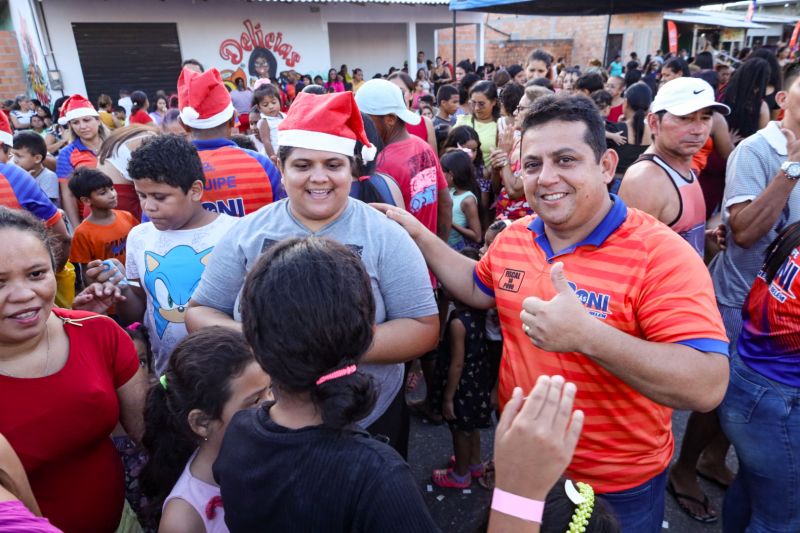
(464, 511)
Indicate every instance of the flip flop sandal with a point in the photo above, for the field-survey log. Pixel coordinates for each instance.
(474, 472)
(680, 499)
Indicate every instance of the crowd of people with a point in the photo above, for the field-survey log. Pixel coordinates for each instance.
(214, 303)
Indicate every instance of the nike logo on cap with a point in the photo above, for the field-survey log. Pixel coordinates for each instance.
(698, 92)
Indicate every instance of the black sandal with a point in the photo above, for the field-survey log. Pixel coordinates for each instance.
(706, 518)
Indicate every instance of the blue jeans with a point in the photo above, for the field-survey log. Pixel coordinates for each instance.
(761, 418)
(640, 509)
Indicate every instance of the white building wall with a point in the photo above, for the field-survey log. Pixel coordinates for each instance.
(387, 46)
(204, 26)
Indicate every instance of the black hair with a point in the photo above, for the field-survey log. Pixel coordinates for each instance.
(489, 90)
(169, 159)
(138, 332)
(501, 77)
(264, 91)
(570, 109)
(496, 227)
(117, 109)
(709, 76)
(775, 78)
(677, 64)
(259, 53)
(704, 60)
(602, 98)
(460, 135)
(558, 511)
(638, 98)
(46, 112)
(466, 65)
(172, 115)
(405, 78)
(464, 86)
(545, 82)
(314, 89)
(32, 142)
(444, 93)
(193, 62)
(243, 141)
(24, 221)
(139, 99)
(591, 81)
(57, 107)
(322, 284)
(458, 164)
(744, 94)
(84, 181)
(513, 70)
(198, 376)
(632, 76)
(511, 96)
(790, 74)
(540, 55)
(780, 250)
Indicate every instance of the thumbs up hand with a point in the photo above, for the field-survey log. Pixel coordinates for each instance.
(558, 325)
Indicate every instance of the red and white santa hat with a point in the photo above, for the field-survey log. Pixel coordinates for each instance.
(6, 137)
(326, 122)
(203, 99)
(76, 106)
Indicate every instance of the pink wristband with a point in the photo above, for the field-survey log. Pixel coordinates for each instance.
(517, 506)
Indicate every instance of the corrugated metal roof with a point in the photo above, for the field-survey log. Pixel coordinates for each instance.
(365, 2)
(712, 18)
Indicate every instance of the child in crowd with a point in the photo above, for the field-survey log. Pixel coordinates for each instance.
(30, 151)
(141, 340)
(103, 234)
(292, 465)
(268, 100)
(37, 125)
(211, 375)
(166, 256)
(466, 139)
(460, 174)
(464, 389)
(120, 114)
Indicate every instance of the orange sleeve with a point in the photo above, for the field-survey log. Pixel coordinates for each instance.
(677, 302)
(53, 220)
(81, 249)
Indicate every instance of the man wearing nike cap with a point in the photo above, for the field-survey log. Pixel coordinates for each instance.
(407, 158)
(662, 182)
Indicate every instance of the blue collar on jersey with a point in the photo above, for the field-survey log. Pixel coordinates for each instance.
(212, 144)
(82, 147)
(613, 219)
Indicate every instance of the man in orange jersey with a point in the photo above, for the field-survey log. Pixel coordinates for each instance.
(238, 181)
(663, 184)
(604, 295)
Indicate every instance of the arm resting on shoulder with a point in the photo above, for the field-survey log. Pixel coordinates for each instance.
(201, 316)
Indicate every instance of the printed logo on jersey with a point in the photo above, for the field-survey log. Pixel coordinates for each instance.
(229, 206)
(511, 280)
(781, 286)
(596, 302)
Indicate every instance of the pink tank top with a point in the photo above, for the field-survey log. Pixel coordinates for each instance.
(203, 497)
(16, 518)
(691, 220)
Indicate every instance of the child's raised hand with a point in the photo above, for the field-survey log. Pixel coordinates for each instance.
(98, 297)
(505, 140)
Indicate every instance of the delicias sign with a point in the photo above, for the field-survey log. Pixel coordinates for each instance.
(254, 37)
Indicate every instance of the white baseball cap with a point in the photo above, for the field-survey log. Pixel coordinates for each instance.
(684, 96)
(381, 97)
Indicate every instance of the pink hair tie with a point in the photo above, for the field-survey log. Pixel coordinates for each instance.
(135, 326)
(336, 374)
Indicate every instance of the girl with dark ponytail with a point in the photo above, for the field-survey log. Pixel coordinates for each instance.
(638, 98)
(301, 463)
(139, 114)
(210, 376)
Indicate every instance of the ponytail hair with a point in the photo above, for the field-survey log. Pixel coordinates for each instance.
(139, 99)
(322, 285)
(198, 375)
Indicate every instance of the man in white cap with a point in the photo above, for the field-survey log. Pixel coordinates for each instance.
(238, 181)
(406, 158)
(663, 184)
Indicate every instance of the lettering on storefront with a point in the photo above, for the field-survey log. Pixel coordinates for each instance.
(253, 38)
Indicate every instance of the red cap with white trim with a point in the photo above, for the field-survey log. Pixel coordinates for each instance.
(6, 136)
(203, 99)
(326, 122)
(76, 106)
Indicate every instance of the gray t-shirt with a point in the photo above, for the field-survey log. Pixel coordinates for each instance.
(400, 282)
(48, 181)
(751, 167)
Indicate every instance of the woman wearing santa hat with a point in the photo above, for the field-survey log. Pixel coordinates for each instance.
(317, 156)
(85, 133)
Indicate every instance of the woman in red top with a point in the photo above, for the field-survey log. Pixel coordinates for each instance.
(70, 377)
(139, 114)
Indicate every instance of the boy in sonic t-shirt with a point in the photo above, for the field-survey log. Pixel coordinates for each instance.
(101, 235)
(167, 255)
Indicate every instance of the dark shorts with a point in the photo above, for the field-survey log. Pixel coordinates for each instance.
(394, 424)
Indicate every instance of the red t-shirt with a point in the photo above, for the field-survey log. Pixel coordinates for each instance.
(60, 425)
(140, 117)
(416, 169)
(615, 112)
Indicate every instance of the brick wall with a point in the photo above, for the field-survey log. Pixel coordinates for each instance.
(509, 38)
(12, 82)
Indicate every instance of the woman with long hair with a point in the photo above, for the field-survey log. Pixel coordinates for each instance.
(424, 130)
(160, 110)
(775, 80)
(745, 96)
(139, 109)
(638, 98)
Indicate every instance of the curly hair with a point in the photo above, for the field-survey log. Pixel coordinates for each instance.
(169, 159)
